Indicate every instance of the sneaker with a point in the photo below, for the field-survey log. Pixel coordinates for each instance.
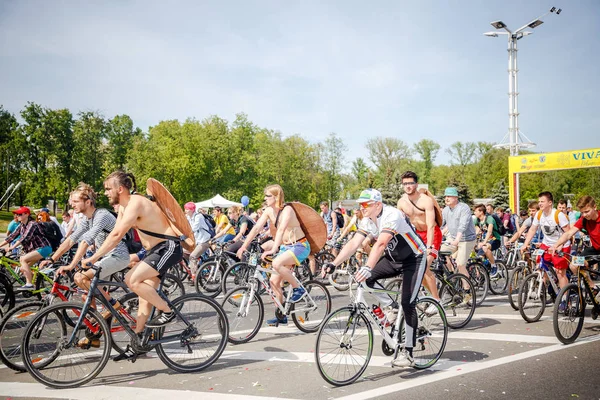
(25, 288)
(276, 321)
(391, 314)
(562, 306)
(297, 294)
(403, 360)
(431, 310)
(493, 271)
(162, 319)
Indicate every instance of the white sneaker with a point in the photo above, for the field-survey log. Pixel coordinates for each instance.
(403, 360)
(431, 310)
(391, 314)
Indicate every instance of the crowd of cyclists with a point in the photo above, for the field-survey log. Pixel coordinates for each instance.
(369, 245)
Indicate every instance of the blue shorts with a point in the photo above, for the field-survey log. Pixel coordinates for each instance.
(299, 250)
(45, 251)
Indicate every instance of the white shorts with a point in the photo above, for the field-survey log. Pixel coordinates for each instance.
(111, 264)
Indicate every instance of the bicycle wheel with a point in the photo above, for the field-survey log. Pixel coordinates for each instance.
(245, 315)
(532, 298)
(569, 321)
(42, 285)
(310, 312)
(514, 284)
(396, 286)
(499, 282)
(129, 308)
(12, 330)
(7, 295)
(199, 344)
(173, 287)
(208, 278)
(344, 346)
(340, 278)
(48, 356)
(235, 276)
(480, 279)
(432, 333)
(456, 297)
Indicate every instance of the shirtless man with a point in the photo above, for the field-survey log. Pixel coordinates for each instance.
(157, 237)
(289, 240)
(420, 210)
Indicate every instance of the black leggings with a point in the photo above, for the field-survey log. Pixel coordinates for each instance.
(413, 270)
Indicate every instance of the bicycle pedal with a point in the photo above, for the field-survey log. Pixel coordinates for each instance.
(128, 355)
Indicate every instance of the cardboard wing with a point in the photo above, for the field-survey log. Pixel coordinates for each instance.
(171, 209)
(312, 225)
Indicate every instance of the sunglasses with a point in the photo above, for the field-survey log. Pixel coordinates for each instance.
(18, 215)
(366, 205)
(268, 195)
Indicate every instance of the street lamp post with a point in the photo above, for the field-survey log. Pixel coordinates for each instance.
(514, 138)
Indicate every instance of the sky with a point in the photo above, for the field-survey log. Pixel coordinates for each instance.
(404, 69)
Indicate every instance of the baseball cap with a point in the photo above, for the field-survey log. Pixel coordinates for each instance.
(45, 209)
(190, 205)
(450, 191)
(22, 210)
(369, 195)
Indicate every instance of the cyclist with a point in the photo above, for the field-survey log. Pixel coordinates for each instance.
(92, 231)
(157, 237)
(331, 220)
(532, 209)
(289, 239)
(397, 249)
(590, 221)
(224, 230)
(485, 225)
(553, 223)
(201, 234)
(242, 225)
(421, 211)
(34, 243)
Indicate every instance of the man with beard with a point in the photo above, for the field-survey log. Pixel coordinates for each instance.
(93, 230)
(157, 237)
(420, 210)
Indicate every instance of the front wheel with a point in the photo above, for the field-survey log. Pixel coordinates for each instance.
(457, 299)
(310, 311)
(519, 273)
(499, 281)
(12, 330)
(480, 279)
(208, 278)
(49, 356)
(532, 298)
(344, 346)
(568, 317)
(245, 314)
(201, 341)
(7, 295)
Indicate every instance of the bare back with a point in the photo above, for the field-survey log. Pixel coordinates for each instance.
(149, 217)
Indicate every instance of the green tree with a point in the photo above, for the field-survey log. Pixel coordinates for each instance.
(390, 155)
(120, 135)
(332, 164)
(500, 195)
(89, 133)
(428, 150)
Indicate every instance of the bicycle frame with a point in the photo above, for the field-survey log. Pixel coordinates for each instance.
(8, 265)
(545, 271)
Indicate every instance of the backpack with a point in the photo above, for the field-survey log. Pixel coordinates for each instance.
(131, 238)
(339, 220)
(51, 232)
(499, 224)
(538, 216)
(210, 224)
(250, 224)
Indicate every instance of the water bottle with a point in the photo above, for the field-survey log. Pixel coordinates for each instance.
(378, 313)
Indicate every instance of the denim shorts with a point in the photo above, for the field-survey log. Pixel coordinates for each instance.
(44, 251)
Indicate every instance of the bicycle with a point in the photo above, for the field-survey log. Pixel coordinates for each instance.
(55, 357)
(568, 322)
(42, 280)
(349, 330)
(210, 273)
(498, 282)
(532, 292)
(7, 295)
(339, 279)
(523, 268)
(245, 309)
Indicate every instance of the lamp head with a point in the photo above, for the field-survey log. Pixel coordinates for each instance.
(498, 24)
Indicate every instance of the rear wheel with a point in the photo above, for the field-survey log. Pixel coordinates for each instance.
(499, 282)
(456, 297)
(12, 330)
(568, 317)
(514, 285)
(480, 279)
(7, 295)
(129, 308)
(208, 278)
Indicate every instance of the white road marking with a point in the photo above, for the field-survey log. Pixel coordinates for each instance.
(465, 369)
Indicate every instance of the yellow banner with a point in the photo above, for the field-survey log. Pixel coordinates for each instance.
(527, 163)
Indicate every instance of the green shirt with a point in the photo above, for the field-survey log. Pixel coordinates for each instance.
(484, 226)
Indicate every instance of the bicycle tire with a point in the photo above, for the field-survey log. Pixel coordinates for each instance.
(12, 330)
(395, 285)
(309, 321)
(568, 323)
(499, 282)
(335, 329)
(7, 294)
(452, 298)
(232, 304)
(120, 337)
(203, 285)
(514, 284)
(528, 298)
(235, 276)
(340, 278)
(173, 287)
(429, 329)
(188, 305)
(480, 279)
(30, 355)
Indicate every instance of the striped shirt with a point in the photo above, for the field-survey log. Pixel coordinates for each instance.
(31, 236)
(95, 231)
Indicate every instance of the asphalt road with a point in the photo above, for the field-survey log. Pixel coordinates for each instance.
(496, 356)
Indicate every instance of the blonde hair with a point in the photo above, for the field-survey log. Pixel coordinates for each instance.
(276, 191)
(235, 209)
(86, 192)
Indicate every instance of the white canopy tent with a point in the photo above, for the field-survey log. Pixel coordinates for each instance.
(218, 200)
